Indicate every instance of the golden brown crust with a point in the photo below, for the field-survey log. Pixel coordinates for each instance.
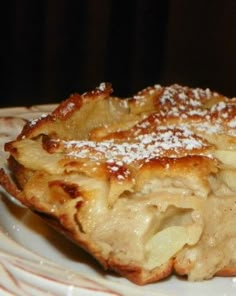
(228, 271)
(144, 184)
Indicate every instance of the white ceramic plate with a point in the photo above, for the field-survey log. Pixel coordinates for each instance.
(35, 260)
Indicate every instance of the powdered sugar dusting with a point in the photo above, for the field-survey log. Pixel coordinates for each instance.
(165, 142)
(199, 109)
(177, 100)
(69, 107)
(232, 123)
(179, 124)
(35, 120)
(218, 107)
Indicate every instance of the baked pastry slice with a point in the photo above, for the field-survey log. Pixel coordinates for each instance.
(144, 184)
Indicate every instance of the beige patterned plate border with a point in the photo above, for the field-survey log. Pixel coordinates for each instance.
(36, 261)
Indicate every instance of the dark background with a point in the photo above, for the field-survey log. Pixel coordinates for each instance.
(52, 48)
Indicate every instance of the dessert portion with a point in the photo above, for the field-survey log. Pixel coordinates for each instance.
(145, 184)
